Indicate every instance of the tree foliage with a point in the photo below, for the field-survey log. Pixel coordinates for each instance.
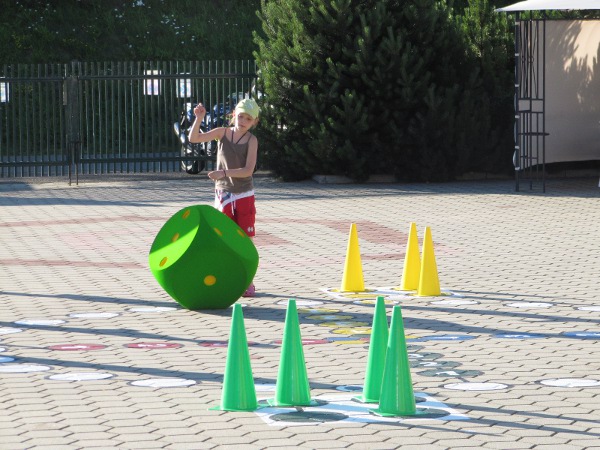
(58, 31)
(490, 43)
(359, 87)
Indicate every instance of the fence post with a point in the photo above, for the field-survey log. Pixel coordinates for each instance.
(71, 102)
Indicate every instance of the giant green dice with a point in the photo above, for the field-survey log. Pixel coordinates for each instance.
(203, 259)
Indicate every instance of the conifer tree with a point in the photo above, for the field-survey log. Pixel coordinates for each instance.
(315, 118)
(356, 87)
(490, 42)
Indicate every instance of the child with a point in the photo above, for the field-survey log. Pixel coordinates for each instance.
(236, 160)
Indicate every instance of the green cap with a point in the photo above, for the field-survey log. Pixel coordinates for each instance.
(248, 106)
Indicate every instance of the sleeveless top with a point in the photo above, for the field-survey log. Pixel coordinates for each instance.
(232, 156)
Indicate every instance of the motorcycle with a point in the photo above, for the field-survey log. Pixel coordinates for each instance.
(199, 153)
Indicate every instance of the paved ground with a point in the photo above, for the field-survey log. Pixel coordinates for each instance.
(94, 354)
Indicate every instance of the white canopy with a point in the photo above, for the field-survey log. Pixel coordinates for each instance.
(538, 5)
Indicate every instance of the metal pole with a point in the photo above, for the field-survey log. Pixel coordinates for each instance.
(544, 105)
(517, 136)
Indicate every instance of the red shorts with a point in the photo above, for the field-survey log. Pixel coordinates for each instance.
(238, 207)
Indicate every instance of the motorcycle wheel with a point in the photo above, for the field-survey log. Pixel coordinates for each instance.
(193, 150)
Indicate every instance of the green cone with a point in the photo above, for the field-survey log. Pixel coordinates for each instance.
(238, 392)
(397, 396)
(292, 387)
(376, 357)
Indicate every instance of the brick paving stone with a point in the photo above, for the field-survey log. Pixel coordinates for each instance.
(217, 434)
(546, 440)
(553, 446)
(408, 440)
(123, 420)
(409, 446)
(511, 445)
(100, 444)
(12, 441)
(578, 431)
(88, 434)
(370, 446)
(41, 439)
(460, 443)
(88, 417)
(591, 424)
(59, 447)
(134, 435)
(144, 445)
(196, 439)
(229, 440)
(584, 444)
(548, 421)
(195, 446)
(444, 436)
(277, 442)
(325, 444)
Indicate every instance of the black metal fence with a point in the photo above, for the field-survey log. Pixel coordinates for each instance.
(112, 117)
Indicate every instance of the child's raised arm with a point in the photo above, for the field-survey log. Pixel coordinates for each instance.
(196, 135)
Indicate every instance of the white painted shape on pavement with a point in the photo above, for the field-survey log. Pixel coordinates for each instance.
(356, 412)
(264, 387)
(22, 368)
(454, 302)
(589, 308)
(476, 386)
(40, 322)
(571, 382)
(81, 376)
(302, 302)
(10, 330)
(93, 315)
(153, 309)
(164, 382)
(530, 305)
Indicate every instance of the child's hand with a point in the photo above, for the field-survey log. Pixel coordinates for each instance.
(216, 175)
(200, 111)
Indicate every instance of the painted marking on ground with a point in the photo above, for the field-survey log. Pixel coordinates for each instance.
(341, 408)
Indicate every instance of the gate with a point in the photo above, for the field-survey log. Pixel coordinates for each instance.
(112, 117)
(530, 102)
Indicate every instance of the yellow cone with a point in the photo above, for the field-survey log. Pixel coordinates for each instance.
(412, 262)
(353, 281)
(429, 283)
